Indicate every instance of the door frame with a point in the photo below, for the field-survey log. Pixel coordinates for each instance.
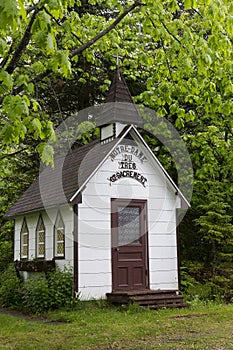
(115, 202)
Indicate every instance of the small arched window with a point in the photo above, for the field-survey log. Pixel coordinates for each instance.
(59, 237)
(40, 238)
(24, 240)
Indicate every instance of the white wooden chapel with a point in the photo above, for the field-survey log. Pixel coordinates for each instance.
(117, 227)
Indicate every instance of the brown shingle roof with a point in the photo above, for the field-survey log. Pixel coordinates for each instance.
(119, 105)
(56, 186)
(119, 91)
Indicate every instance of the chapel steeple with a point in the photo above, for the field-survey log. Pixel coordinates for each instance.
(118, 110)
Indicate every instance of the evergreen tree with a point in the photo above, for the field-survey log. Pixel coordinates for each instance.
(216, 228)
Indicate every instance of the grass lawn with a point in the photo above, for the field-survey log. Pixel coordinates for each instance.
(95, 325)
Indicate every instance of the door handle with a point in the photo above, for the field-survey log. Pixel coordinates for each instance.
(117, 249)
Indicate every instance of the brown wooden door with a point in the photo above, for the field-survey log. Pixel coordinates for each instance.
(129, 245)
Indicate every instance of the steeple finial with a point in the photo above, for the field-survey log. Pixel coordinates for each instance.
(118, 57)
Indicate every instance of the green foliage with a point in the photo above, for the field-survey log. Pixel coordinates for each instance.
(41, 293)
(35, 295)
(218, 289)
(8, 13)
(86, 131)
(6, 254)
(215, 226)
(199, 284)
(61, 289)
(187, 281)
(10, 286)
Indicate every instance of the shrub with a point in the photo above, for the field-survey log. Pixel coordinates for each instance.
(197, 282)
(217, 288)
(10, 287)
(39, 293)
(61, 289)
(187, 281)
(45, 292)
(222, 287)
(6, 254)
(35, 295)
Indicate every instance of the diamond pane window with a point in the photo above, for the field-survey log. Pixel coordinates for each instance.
(40, 238)
(25, 252)
(41, 251)
(24, 238)
(60, 248)
(59, 237)
(60, 234)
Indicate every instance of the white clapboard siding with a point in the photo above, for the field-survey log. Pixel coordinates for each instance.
(159, 264)
(163, 285)
(164, 279)
(87, 253)
(163, 252)
(95, 227)
(95, 279)
(165, 240)
(164, 228)
(86, 293)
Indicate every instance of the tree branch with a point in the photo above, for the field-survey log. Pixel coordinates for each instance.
(164, 25)
(4, 61)
(59, 24)
(11, 154)
(105, 31)
(174, 37)
(22, 44)
(167, 62)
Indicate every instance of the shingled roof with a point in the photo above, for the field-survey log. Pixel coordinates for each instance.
(119, 105)
(56, 186)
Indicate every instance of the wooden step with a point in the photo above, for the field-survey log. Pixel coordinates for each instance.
(150, 300)
(153, 299)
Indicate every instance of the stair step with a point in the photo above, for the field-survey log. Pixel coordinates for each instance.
(167, 306)
(144, 292)
(152, 297)
(149, 298)
(158, 302)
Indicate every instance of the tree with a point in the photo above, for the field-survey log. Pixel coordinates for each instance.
(216, 228)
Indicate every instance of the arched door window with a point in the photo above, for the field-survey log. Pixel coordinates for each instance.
(40, 238)
(59, 237)
(24, 240)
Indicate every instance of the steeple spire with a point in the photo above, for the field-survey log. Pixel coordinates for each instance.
(119, 91)
(119, 105)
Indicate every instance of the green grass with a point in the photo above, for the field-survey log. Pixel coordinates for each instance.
(101, 327)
